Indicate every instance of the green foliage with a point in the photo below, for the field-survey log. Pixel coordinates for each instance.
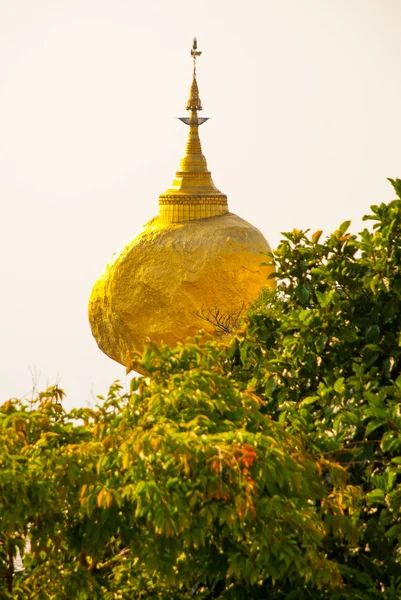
(165, 492)
(268, 467)
(324, 354)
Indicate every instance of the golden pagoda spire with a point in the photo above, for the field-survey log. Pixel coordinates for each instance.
(193, 194)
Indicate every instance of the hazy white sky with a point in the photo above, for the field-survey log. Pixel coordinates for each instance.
(305, 100)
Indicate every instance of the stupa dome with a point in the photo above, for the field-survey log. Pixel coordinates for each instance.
(194, 261)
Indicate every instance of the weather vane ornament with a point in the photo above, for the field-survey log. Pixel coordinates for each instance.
(194, 103)
(194, 258)
(195, 53)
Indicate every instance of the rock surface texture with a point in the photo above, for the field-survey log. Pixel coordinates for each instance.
(154, 287)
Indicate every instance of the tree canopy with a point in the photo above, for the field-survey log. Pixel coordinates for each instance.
(264, 466)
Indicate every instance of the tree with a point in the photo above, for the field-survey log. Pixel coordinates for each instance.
(264, 467)
(182, 489)
(324, 355)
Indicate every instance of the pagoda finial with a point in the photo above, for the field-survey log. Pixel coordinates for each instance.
(194, 103)
(193, 194)
(195, 53)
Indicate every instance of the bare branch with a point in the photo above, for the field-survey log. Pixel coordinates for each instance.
(223, 323)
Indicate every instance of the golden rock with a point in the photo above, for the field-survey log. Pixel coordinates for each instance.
(193, 264)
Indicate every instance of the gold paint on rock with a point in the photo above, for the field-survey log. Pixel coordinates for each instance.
(195, 256)
(154, 287)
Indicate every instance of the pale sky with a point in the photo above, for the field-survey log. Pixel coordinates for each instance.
(305, 104)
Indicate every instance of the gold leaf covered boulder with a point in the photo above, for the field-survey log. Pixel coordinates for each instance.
(195, 266)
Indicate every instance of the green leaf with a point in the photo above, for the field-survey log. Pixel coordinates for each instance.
(372, 335)
(344, 226)
(396, 183)
(309, 400)
(376, 497)
(339, 385)
(373, 348)
(302, 292)
(321, 343)
(373, 425)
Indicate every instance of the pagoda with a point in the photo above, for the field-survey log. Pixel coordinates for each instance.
(191, 267)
